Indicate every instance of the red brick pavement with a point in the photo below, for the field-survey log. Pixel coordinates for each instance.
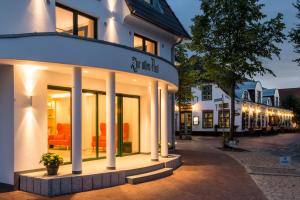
(207, 174)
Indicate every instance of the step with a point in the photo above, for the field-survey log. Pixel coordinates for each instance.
(143, 170)
(150, 176)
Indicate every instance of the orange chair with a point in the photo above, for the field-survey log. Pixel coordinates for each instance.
(102, 136)
(63, 136)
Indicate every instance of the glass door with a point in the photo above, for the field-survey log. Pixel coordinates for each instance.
(59, 122)
(89, 127)
(130, 125)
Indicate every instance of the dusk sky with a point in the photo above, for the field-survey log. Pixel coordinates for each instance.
(288, 73)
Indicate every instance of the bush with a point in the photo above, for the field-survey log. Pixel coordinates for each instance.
(51, 159)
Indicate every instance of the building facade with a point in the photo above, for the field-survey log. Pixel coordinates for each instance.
(86, 80)
(257, 109)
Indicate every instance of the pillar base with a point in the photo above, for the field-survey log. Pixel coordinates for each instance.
(164, 156)
(111, 168)
(76, 172)
(155, 160)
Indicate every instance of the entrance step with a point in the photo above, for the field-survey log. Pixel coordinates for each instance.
(150, 176)
(143, 170)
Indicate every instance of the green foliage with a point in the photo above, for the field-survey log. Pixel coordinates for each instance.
(292, 102)
(188, 75)
(51, 159)
(295, 33)
(232, 38)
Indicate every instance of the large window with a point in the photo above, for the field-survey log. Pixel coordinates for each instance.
(208, 119)
(75, 23)
(94, 137)
(259, 96)
(144, 44)
(245, 120)
(224, 119)
(207, 93)
(59, 122)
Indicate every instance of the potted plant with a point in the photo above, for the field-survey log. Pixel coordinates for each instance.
(52, 162)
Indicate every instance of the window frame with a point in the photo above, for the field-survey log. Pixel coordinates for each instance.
(144, 39)
(207, 97)
(245, 120)
(76, 14)
(204, 120)
(225, 118)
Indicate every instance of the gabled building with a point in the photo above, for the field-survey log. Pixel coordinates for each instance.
(257, 109)
(86, 80)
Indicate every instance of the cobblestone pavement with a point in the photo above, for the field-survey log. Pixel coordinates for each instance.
(206, 174)
(262, 161)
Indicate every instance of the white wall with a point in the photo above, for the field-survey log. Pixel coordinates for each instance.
(30, 121)
(200, 106)
(28, 16)
(6, 124)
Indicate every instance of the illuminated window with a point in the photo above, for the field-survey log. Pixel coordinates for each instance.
(75, 23)
(145, 44)
(224, 119)
(207, 119)
(245, 120)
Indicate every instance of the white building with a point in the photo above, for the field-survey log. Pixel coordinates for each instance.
(85, 79)
(257, 109)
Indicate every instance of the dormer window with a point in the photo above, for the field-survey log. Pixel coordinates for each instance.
(246, 95)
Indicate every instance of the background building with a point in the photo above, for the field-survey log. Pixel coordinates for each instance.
(257, 109)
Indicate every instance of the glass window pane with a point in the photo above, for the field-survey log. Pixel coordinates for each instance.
(150, 47)
(59, 123)
(138, 43)
(64, 21)
(86, 27)
(130, 125)
(102, 125)
(89, 125)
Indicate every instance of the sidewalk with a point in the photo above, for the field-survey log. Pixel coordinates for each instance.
(277, 181)
(207, 174)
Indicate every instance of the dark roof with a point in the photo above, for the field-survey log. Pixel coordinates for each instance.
(289, 91)
(166, 19)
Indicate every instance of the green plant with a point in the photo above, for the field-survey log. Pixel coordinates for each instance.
(51, 159)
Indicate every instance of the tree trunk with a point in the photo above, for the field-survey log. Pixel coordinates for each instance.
(232, 113)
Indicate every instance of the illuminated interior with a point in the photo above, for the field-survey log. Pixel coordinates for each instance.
(145, 44)
(74, 23)
(59, 123)
(94, 134)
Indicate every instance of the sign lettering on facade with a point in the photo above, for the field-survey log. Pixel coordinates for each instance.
(144, 65)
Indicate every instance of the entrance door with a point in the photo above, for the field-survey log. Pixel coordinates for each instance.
(186, 122)
(129, 125)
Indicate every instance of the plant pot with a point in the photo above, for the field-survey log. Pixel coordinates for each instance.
(52, 170)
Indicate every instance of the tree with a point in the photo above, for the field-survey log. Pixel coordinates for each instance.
(295, 33)
(187, 75)
(233, 38)
(292, 102)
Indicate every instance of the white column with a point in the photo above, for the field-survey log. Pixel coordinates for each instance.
(110, 121)
(164, 121)
(77, 121)
(154, 120)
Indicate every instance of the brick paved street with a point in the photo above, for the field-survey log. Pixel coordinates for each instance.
(207, 174)
(278, 182)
